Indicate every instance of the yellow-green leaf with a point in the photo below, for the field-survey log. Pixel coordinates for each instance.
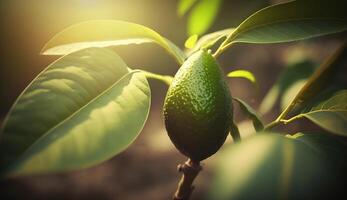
(104, 33)
(191, 41)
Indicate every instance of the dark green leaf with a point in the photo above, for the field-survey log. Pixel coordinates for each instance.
(270, 166)
(82, 110)
(251, 113)
(291, 21)
(104, 33)
(202, 16)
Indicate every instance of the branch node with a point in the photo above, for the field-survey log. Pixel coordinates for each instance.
(190, 170)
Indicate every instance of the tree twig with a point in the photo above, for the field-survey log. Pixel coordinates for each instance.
(190, 170)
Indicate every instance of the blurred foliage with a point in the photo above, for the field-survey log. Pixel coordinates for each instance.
(202, 14)
(184, 6)
(271, 166)
(287, 85)
(327, 79)
(323, 98)
(329, 147)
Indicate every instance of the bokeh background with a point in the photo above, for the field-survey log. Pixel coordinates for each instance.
(146, 170)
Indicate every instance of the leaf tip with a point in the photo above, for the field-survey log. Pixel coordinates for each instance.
(191, 41)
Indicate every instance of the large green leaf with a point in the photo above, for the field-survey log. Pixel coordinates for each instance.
(251, 113)
(202, 16)
(83, 109)
(291, 21)
(104, 33)
(270, 166)
(330, 114)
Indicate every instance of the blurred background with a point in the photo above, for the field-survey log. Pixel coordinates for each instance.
(146, 170)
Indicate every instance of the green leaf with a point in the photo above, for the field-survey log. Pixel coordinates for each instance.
(105, 33)
(83, 109)
(291, 21)
(191, 41)
(287, 85)
(330, 114)
(208, 40)
(270, 166)
(251, 113)
(202, 16)
(243, 74)
(184, 6)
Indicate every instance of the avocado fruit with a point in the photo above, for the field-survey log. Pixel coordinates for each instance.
(198, 108)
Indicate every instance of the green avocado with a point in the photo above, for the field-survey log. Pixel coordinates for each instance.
(198, 108)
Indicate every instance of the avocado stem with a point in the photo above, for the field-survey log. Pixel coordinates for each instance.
(190, 170)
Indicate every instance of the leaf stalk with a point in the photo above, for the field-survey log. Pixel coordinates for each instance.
(164, 78)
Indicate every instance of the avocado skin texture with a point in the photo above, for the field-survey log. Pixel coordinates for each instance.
(198, 107)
